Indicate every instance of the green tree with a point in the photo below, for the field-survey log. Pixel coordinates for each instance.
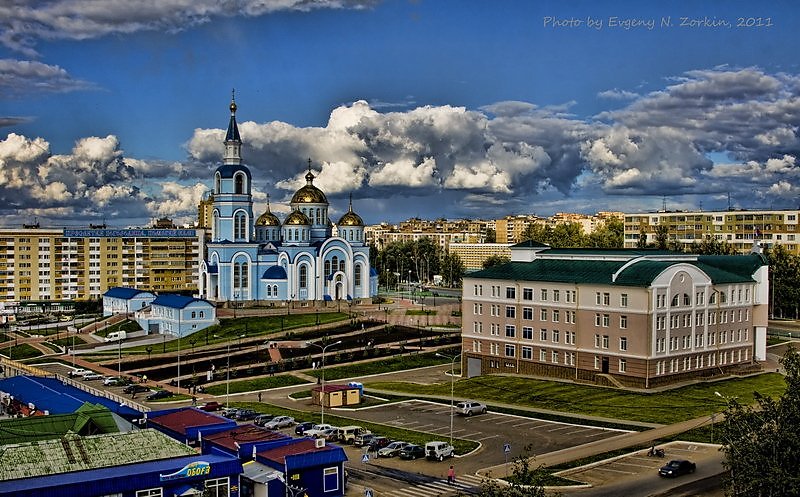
(641, 243)
(491, 236)
(525, 481)
(784, 268)
(662, 237)
(537, 232)
(761, 442)
(568, 235)
(610, 234)
(495, 260)
(452, 269)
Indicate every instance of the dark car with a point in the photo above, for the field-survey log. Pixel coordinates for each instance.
(378, 443)
(302, 427)
(159, 394)
(245, 414)
(412, 452)
(263, 419)
(134, 388)
(211, 406)
(677, 467)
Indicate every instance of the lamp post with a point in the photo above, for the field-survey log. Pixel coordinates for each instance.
(322, 381)
(452, 384)
(179, 349)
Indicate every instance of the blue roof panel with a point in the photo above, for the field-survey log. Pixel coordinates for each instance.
(123, 293)
(274, 273)
(175, 301)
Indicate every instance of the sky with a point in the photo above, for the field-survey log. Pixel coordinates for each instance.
(114, 110)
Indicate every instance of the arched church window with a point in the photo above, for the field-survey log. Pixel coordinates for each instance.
(240, 223)
(275, 290)
(327, 268)
(357, 275)
(303, 276)
(341, 265)
(335, 263)
(269, 290)
(216, 225)
(318, 221)
(217, 183)
(238, 183)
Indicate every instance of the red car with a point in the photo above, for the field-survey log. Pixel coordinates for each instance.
(211, 406)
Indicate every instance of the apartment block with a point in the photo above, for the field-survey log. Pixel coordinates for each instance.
(636, 318)
(441, 231)
(473, 254)
(736, 228)
(78, 264)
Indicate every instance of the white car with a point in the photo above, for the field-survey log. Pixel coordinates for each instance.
(111, 380)
(317, 431)
(92, 376)
(438, 450)
(392, 449)
(470, 407)
(279, 422)
(78, 372)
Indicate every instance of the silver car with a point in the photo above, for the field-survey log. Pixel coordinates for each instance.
(279, 422)
(470, 407)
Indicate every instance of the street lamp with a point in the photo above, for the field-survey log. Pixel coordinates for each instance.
(452, 383)
(322, 381)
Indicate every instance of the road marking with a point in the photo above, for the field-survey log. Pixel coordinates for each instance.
(559, 428)
(437, 430)
(486, 438)
(616, 471)
(505, 421)
(595, 434)
(527, 423)
(620, 463)
(579, 431)
(468, 435)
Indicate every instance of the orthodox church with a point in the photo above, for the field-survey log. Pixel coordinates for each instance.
(263, 259)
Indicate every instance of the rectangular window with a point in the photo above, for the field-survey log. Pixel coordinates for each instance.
(543, 335)
(527, 313)
(606, 298)
(511, 292)
(527, 353)
(556, 295)
(527, 333)
(511, 312)
(510, 352)
(330, 479)
(217, 488)
(623, 300)
(555, 315)
(150, 492)
(597, 341)
(623, 322)
(511, 331)
(543, 355)
(598, 298)
(623, 343)
(527, 294)
(606, 320)
(543, 315)
(596, 362)
(555, 336)
(605, 341)
(597, 319)
(554, 357)
(623, 365)
(543, 294)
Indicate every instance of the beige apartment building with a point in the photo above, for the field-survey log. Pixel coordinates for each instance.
(441, 232)
(77, 264)
(473, 254)
(634, 318)
(737, 228)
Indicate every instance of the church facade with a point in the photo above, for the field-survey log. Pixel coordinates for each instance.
(265, 259)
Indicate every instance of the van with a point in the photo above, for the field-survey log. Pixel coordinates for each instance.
(115, 336)
(438, 450)
(348, 434)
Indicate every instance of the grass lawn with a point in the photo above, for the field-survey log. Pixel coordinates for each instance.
(67, 342)
(380, 366)
(775, 340)
(21, 351)
(658, 407)
(126, 325)
(417, 312)
(232, 329)
(461, 446)
(255, 384)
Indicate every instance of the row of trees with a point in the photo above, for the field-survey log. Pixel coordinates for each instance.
(610, 234)
(415, 261)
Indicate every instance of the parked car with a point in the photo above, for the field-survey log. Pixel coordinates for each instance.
(412, 451)
(245, 415)
(331, 434)
(78, 372)
(316, 430)
(211, 406)
(134, 388)
(377, 443)
(677, 467)
(159, 394)
(279, 422)
(470, 407)
(229, 412)
(112, 380)
(302, 427)
(347, 434)
(438, 450)
(392, 449)
(263, 419)
(363, 439)
(92, 376)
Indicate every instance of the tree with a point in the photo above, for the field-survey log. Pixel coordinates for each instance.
(491, 236)
(452, 269)
(525, 481)
(761, 442)
(711, 246)
(537, 232)
(610, 234)
(641, 243)
(567, 235)
(784, 268)
(662, 236)
(495, 260)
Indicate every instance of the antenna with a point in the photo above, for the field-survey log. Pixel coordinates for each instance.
(729, 200)
(664, 203)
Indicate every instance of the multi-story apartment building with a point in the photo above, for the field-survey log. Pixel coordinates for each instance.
(615, 317)
(442, 232)
(737, 228)
(473, 254)
(78, 264)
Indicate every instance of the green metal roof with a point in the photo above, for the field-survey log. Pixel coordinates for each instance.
(89, 419)
(75, 453)
(721, 269)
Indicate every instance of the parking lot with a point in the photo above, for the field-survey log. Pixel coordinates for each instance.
(492, 430)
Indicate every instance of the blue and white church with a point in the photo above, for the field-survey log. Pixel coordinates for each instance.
(264, 260)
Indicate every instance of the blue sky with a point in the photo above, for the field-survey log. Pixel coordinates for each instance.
(114, 109)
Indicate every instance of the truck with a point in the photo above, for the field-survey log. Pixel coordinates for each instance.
(116, 336)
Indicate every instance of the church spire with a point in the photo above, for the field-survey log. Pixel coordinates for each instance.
(233, 142)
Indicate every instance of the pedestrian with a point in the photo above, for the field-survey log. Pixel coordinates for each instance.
(194, 401)
(451, 475)
(259, 396)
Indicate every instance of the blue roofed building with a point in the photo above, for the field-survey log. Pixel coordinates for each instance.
(121, 300)
(177, 315)
(268, 260)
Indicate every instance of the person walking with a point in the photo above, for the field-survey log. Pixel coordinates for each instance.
(259, 396)
(451, 475)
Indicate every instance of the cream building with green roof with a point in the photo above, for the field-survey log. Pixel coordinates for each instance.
(637, 318)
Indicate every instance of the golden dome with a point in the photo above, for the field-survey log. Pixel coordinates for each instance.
(268, 218)
(296, 218)
(350, 218)
(309, 194)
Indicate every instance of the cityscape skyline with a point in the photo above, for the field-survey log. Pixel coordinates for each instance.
(417, 109)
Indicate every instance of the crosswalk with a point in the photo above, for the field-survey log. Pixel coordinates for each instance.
(465, 484)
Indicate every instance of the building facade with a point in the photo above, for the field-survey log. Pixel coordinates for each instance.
(265, 259)
(739, 229)
(473, 254)
(38, 264)
(615, 317)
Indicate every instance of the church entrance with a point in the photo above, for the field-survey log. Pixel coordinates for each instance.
(339, 290)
